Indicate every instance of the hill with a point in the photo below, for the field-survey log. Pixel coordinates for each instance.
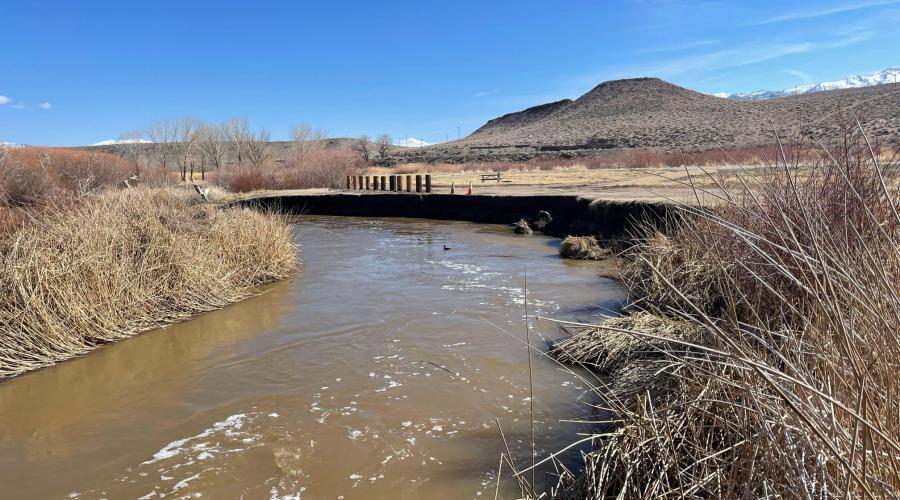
(649, 113)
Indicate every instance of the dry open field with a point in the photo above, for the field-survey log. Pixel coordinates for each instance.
(653, 183)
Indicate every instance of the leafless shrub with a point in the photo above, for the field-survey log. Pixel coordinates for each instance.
(258, 151)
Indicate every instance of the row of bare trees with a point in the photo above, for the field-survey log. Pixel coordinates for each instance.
(191, 145)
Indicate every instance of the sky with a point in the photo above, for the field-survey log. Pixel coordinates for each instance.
(76, 73)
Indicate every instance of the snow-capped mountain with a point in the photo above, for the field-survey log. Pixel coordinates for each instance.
(11, 145)
(113, 142)
(890, 75)
(411, 142)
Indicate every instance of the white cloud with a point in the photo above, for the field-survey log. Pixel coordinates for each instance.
(411, 142)
(18, 105)
(483, 93)
(45, 105)
(3, 100)
(826, 11)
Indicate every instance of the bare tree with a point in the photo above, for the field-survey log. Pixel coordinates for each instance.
(362, 146)
(163, 134)
(305, 139)
(185, 143)
(132, 143)
(384, 144)
(212, 145)
(238, 133)
(258, 151)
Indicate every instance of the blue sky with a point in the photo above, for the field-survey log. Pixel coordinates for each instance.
(78, 72)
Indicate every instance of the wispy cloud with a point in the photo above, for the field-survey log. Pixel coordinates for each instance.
(45, 105)
(799, 74)
(678, 47)
(483, 93)
(3, 100)
(825, 11)
(735, 57)
(18, 105)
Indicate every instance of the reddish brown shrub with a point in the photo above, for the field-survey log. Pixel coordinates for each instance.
(31, 175)
(318, 169)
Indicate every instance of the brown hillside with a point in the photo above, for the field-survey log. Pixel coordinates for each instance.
(651, 113)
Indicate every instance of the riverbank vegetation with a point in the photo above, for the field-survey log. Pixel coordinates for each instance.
(85, 260)
(759, 354)
(582, 248)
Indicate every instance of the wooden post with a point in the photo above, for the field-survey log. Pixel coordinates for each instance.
(383, 183)
(399, 183)
(418, 183)
(348, 182)
(427, 183)
(360, 182)
(368, 183)
(354, 182)
(393, 181)
(408, 183)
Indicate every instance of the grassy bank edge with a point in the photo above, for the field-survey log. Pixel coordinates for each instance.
(82, 274)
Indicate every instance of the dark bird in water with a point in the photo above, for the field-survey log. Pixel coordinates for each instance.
(446, 248)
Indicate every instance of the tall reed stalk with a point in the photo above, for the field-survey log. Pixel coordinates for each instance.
(110, 265)
(759, 356)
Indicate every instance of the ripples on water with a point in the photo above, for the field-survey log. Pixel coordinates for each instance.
(378, 372)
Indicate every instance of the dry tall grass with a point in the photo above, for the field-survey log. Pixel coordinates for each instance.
(760, 357)
(582, 247)
(111, 265)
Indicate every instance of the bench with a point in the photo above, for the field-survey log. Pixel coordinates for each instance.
(491, 177)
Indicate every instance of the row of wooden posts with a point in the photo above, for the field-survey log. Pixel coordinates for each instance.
(388, 183)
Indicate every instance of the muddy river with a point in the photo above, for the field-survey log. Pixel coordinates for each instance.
(377, 372)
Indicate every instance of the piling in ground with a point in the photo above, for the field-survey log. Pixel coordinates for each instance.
(368, 183)
(408, 183)
(418, 183)
(109, 266)
(427, 183)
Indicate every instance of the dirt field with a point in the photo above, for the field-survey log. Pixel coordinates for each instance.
(652, 184)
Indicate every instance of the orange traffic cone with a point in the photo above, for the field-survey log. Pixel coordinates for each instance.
(452, 189)
(470, 188)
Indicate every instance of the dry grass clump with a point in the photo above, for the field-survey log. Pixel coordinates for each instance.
(583, 248)
(765, 341)
(111, 265)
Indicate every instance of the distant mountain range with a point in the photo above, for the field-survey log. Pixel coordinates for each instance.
(113, 142)
(890, 75)
(11, 145)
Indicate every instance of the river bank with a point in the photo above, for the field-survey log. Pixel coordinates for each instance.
(83, 272)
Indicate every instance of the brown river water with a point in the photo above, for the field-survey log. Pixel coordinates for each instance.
(327, 385)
